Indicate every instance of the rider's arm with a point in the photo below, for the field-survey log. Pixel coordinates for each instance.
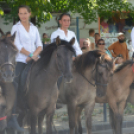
(77, 47)
(17, 42)
(38, 44)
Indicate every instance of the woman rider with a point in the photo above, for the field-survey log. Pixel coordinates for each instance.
(29, 44)
(64, 33)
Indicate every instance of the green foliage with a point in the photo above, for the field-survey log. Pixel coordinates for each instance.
(88, 9)
(129, 109)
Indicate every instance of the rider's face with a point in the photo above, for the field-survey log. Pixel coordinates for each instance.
(24, 15)
(65, 22)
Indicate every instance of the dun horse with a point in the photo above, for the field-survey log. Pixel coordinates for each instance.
(89, 69)
(117, 94)
(42, 91)
(8, 52)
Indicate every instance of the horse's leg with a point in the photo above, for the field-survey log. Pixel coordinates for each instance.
(40, 121)
(33, 123)
(121, 111)
(88, 114)
(49, 118)
(71, 113)
(20, 120)
(118, 112)
(78, 126)
(111, 118)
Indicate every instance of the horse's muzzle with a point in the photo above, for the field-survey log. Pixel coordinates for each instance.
(68, 79)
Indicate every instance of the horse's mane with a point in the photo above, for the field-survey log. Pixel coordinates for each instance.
(88, 59)
(47, 53)
(128, 62)
(9, 43)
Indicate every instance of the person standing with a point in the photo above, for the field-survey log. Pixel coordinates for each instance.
(91, 38)
(97, 37)
(64, 33)
(29, 44)
(119, 47)
(101, 46)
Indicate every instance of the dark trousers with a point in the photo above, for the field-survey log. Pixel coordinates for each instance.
(18, 72)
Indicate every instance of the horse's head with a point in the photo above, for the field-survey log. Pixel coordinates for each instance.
(3, 122)
(8, 52)
(64, 55)
(104, 69)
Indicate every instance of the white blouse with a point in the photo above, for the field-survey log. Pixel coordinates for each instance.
(69, 36)
(132, 38)
(27, 40)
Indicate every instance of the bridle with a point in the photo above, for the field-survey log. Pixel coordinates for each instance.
(6, 63)
(3, 118)
(96, 83)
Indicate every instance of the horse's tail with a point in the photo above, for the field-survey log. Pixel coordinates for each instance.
(111, 118)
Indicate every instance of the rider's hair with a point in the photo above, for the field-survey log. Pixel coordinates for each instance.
(64, 14)
(99, 41)
(24, 6)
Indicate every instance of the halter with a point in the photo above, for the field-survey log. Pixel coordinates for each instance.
(3, 118)
(7, 63)
(96, 83)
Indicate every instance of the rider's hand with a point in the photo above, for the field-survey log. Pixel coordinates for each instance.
(28, 59)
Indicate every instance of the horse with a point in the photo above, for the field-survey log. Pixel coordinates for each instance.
(8, 51)
(118, 93)
(41, 90)
(90, 72)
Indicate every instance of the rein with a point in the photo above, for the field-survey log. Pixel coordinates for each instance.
(3, 118)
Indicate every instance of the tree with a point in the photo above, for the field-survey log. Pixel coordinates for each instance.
(89, 9)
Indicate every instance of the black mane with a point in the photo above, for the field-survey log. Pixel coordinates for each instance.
(128, 62)
(47, 53)
(89, 59)
(85, 60)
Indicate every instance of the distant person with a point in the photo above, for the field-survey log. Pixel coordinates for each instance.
(8, 34)
(119, 47)
(91, 38)
(97, 37)
(86, 45)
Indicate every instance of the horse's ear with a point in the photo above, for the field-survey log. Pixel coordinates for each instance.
(12, 37)
(72, 41)
(58, 41)
(102, 58)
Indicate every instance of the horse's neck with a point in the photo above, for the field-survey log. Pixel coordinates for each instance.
(125, 77)
(89, 73)
(52, 67)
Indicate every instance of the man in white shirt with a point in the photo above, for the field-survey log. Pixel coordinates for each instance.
(91, 38)
(64, 33)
